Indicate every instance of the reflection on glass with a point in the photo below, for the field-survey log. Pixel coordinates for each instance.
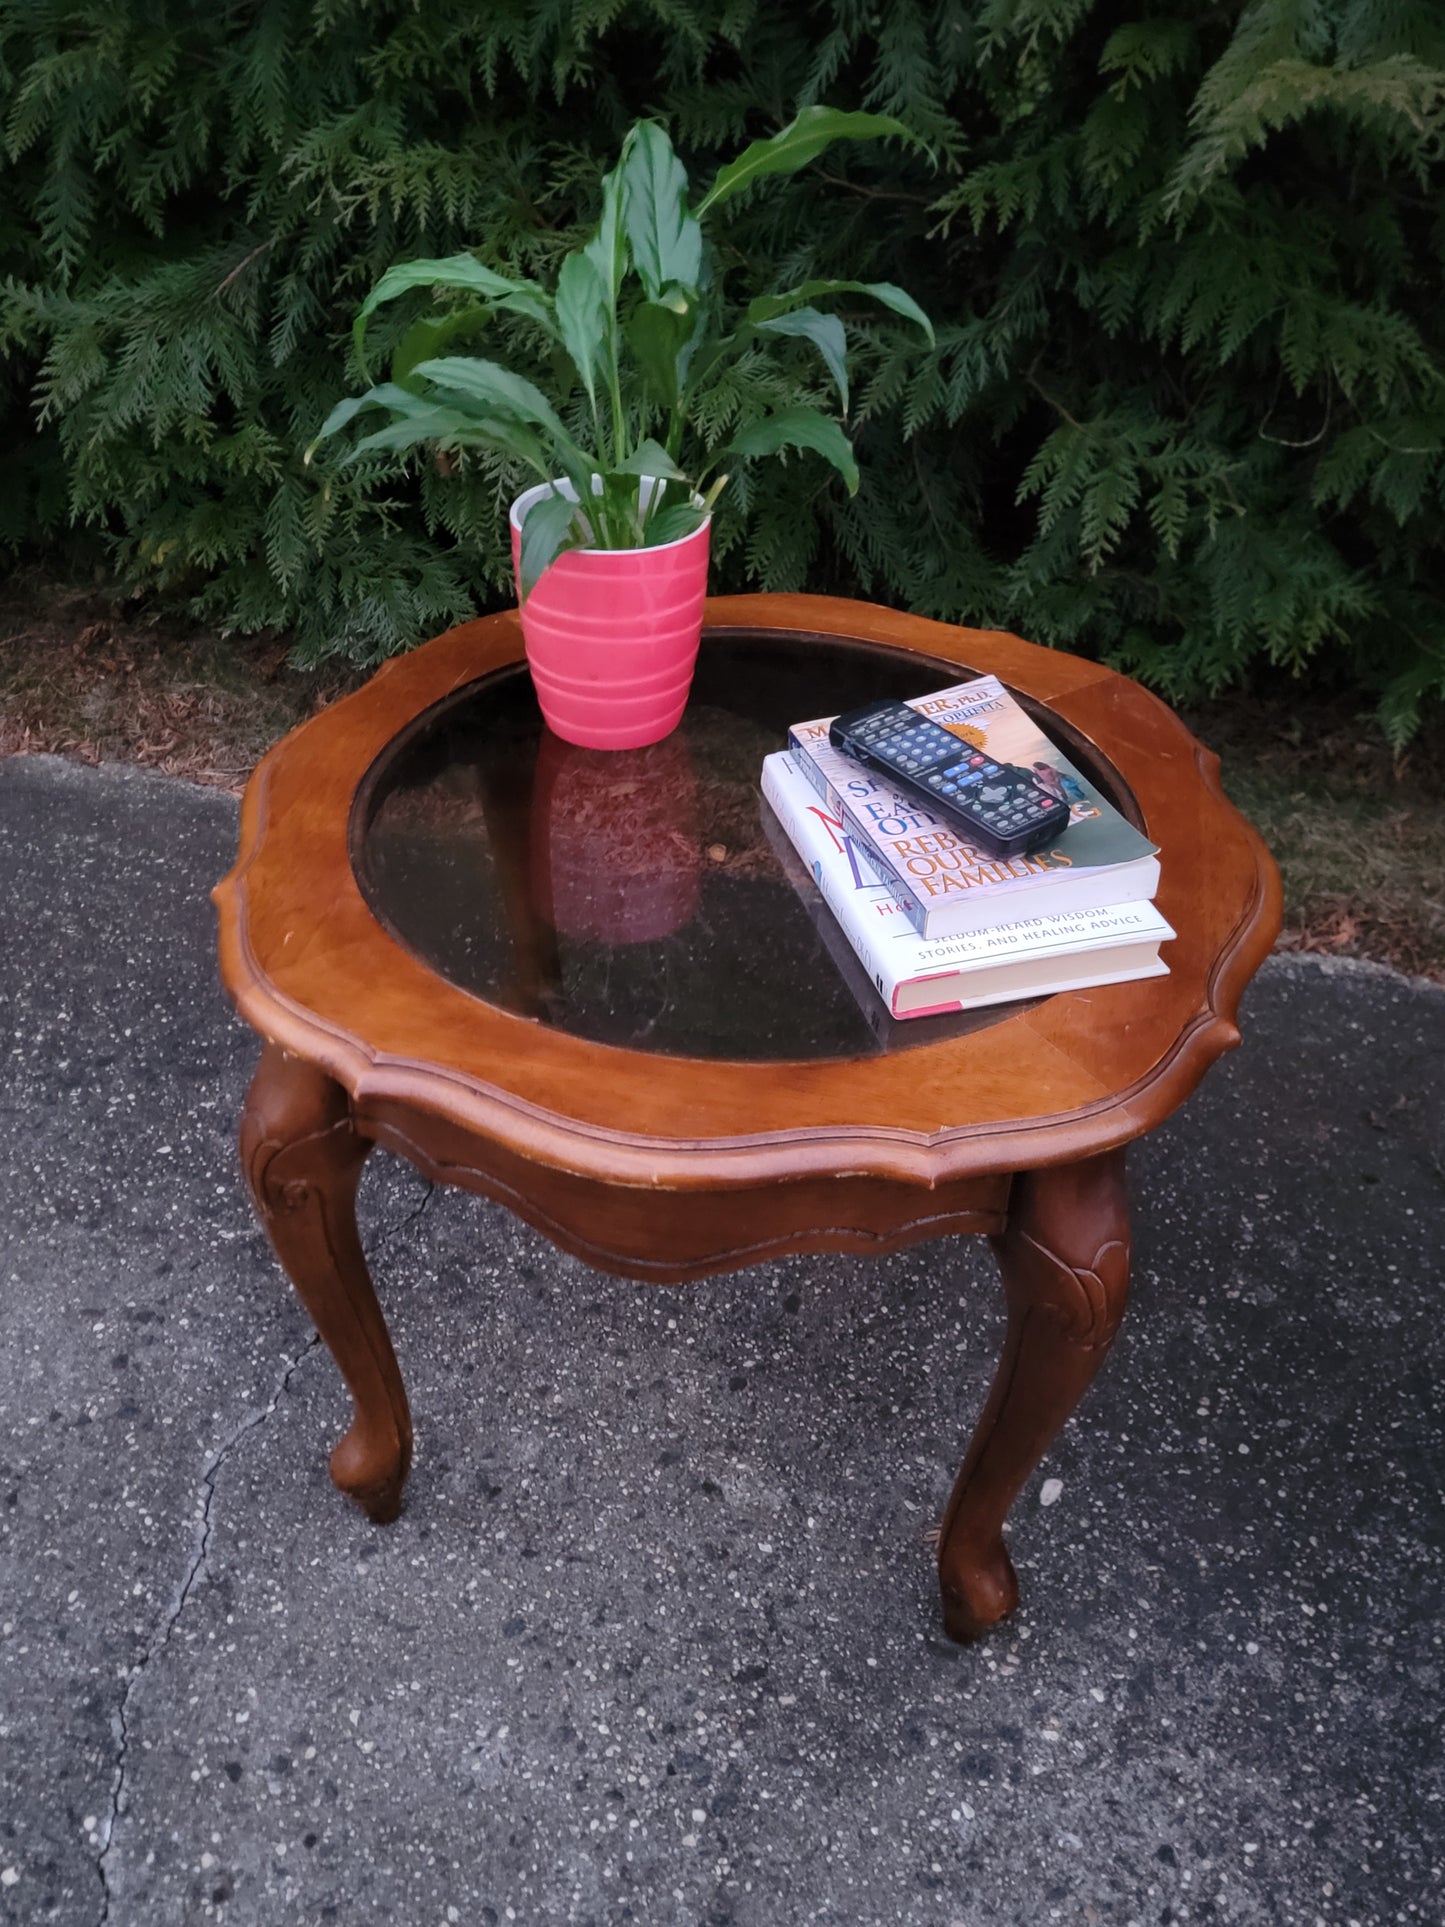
(614, 840)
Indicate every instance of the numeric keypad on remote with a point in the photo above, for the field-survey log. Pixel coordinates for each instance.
(997, 805)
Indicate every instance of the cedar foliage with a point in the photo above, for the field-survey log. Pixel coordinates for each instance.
(1185, 410)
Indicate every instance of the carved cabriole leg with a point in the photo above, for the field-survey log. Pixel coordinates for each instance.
(302, 1157)
(1064, 1255)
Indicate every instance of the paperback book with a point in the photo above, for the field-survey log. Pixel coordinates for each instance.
(944, 884)
(916, 976)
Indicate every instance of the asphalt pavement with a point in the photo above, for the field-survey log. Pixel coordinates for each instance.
(657, 1638)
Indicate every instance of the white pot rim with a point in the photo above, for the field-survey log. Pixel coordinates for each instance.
(528, 496)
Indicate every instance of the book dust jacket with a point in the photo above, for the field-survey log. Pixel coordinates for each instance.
(930, 857)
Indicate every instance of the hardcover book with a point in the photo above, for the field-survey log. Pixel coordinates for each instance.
(919, 976)
(943, 883)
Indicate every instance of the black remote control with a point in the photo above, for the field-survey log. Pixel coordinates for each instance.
(998, 806)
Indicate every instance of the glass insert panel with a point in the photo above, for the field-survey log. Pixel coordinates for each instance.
(643, 898)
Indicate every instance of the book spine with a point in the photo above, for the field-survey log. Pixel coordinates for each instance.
(810, 839)
(888, 872)
(803, 762)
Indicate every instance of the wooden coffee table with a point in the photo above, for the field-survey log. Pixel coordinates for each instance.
(589, 986)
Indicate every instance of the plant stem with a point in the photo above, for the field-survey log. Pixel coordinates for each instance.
(619, 431)
(619, 425)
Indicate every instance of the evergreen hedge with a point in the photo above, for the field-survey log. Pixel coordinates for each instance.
(1186, 410)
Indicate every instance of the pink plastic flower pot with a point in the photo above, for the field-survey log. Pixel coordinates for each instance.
(612, 635)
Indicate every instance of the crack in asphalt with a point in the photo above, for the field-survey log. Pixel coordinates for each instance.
(161, 1637)
(204, 1524)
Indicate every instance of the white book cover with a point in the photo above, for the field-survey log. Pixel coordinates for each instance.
(944, 883)
(922, 976)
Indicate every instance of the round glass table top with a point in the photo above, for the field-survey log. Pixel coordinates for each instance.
(642, 898)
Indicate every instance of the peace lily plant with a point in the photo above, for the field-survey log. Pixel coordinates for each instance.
(639, 316)
(641, 329)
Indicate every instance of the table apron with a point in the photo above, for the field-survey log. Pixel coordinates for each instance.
(667, 1236)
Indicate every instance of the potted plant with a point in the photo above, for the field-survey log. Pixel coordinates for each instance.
(610, 546)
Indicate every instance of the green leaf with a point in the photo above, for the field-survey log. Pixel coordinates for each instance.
(660, 338)
(544, 535)
(506, 438)
(801, 141)
(386, 395)
(341, 414)
(1145, 50)
(672, 524)
(1108, 503)
(502, 397)
(799, 428)
(582, 317)
(1346, 466)
(536, 307)
(767, 306)
(499, 388)
(432, 334)
(614, 511)
(449, 426)
(449, 415)
(650, 458)
(1169, 513)
(665, 240)
(825, 331)
(607, 250)
(453, 271)
(436, 424)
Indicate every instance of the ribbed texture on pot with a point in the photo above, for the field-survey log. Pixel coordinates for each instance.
(612, 637)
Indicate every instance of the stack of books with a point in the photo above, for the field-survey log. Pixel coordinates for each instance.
(937, 924)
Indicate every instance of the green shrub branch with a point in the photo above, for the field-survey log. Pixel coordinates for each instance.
(1184, 410)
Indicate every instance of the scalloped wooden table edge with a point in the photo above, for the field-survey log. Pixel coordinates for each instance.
(1132, 729)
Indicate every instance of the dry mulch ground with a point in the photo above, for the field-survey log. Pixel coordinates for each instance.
(80, 677)
(1359, 833)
